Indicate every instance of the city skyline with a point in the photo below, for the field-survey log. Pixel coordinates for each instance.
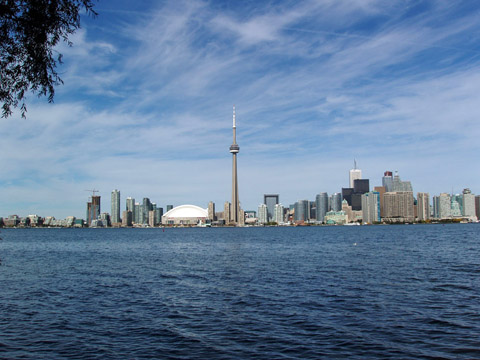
(148, 91)
(390, 184)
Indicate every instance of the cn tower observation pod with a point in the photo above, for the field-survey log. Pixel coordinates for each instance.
(185, 215)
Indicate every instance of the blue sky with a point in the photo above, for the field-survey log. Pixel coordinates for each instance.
(146, 107)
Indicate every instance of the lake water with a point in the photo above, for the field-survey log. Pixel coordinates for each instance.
(357, 292)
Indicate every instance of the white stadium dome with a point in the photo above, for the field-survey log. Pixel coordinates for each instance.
(185, 214)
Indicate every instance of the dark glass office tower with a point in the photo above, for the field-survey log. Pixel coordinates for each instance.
(347, 195)
(361, 186)
(271, 200)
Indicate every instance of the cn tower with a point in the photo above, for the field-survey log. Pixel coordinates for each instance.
(234, 149)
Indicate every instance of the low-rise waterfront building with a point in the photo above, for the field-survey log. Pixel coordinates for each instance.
(336, 217)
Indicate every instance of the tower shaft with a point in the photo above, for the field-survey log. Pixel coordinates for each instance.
(235, 201)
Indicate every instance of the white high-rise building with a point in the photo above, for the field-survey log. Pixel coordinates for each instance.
(262, 214)
(115, 218)
(468, 204)
(442, 206)
(355, 173)
(423, 206)
(371, 207)
(278, 213)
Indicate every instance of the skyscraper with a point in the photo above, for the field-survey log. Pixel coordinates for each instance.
(271, 200)
(381, 190)
(442, 206)
(302, 211)
(143, 211)
(423, 206)
(115, 218)
(477, 206)
(347, 195)
(278, 213)
(137, 212)
(131, 207)
(468, 202)
(399, 185)
(234, 149)
(211, 211)
(93, 209)
(262, 214)
(387, 181)
(321, 202)
(360, 187)
(336, 202)
(399, 205)
(127, 219)
(355, 173)
(370, 207)
(227, 211)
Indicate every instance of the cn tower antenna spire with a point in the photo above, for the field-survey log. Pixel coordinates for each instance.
(234, 127)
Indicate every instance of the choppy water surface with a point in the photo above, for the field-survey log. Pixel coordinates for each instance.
(264, 293)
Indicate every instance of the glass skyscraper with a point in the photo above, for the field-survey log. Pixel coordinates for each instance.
(270, 200)
(336, 202)
(131, 207)
(321, 202)
(387, 181)
(302, 210)
(115, 206)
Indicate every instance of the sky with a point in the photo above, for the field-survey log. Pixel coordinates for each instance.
(149, 86)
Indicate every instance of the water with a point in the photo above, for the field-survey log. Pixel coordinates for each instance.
(254, 293)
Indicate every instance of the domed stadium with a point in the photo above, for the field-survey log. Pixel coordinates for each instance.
(185, 215)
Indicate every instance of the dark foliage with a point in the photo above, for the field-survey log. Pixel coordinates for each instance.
(29, 31)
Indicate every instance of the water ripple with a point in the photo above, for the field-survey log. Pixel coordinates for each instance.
(292, 293)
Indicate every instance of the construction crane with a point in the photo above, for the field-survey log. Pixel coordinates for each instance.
(93, 191)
